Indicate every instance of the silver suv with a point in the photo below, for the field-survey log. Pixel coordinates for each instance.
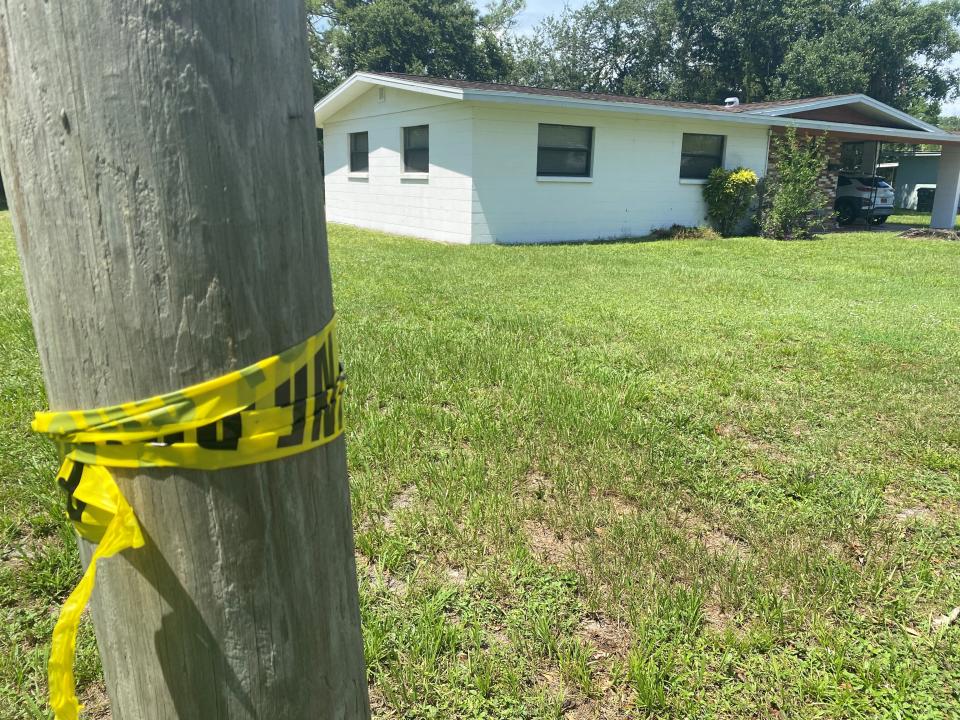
(867, 196)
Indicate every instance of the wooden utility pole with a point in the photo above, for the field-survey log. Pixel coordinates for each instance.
(161, 166)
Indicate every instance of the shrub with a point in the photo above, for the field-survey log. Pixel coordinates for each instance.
(728, 194)
(790, 201)
(682, 232)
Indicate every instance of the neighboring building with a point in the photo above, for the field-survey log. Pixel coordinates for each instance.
(912, 177)
(473, 162)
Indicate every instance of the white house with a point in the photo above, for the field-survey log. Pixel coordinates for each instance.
(473, 162)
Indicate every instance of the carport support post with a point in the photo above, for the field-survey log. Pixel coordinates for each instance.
(948, 188)
(161, 165)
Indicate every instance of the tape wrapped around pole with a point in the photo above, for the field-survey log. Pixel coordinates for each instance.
(283, 405)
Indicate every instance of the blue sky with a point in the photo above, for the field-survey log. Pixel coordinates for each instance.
(536, 10)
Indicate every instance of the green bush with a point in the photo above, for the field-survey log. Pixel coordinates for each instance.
(791, 204)
(728, 194)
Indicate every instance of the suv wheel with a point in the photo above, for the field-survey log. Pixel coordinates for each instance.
(846, 212)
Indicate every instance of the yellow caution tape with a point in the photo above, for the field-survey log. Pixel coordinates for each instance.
(280, 406)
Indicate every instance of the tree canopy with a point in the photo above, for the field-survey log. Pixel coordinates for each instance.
(897, 51)
(443, 38)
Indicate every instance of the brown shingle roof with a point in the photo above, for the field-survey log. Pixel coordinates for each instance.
(747, 107)
(576, 94)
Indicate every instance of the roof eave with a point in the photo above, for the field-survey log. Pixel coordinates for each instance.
(747, 118)
(847, 100)
(360, 82)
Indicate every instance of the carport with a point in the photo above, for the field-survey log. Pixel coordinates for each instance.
(851, 121)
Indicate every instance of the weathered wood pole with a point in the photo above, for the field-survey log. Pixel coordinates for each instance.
(161, 166)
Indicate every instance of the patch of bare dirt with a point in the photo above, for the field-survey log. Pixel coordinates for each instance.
(14, 558)
(549, 679)
(546, 544)
(716, 539)
(401, 502)
(585, 710)
(610, 705)
(96, 704)
(688, 522)
(721, 543)
(751, 443)
(619, 505)
(537, 484)
(727, 430)
(608, 637)
(912, 510)
(497, 635)
(25, 549)
(377, 575)
(718, 618)
(852, 551)
(610, 641)
(617, 508)
(456, 576)
(378, 704)
(916, 514)
(753, 475)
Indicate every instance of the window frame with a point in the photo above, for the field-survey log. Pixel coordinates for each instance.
(351, 152)
(721, 159)
(588, 172)
(407, 169)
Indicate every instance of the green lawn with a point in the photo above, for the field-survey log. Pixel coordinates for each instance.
(710, 479)
(912, 217)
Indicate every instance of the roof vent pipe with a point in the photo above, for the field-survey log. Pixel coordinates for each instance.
(731, 101)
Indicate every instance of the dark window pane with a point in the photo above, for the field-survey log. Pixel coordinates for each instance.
(417, 138)
(697, 166)
(564, 150)
(358, 152)
(551, 161)
(359, 162)
(358, 142)
(700, 154)
(564, 136)
(417, 161)
(695, 144)
(416, 149)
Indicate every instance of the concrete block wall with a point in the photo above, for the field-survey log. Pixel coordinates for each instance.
(437, 205)
(635, 184)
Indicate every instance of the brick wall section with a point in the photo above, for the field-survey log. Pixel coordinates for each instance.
(828, 178)
(827, 182)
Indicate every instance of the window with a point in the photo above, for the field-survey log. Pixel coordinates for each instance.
(873, 182)
(700, 154)
(359, 152)
(564, 150)
(416, 149)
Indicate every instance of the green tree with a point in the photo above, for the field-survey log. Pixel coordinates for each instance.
(616, 46)
(444, 38)
(949, 122)
(897, 51)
